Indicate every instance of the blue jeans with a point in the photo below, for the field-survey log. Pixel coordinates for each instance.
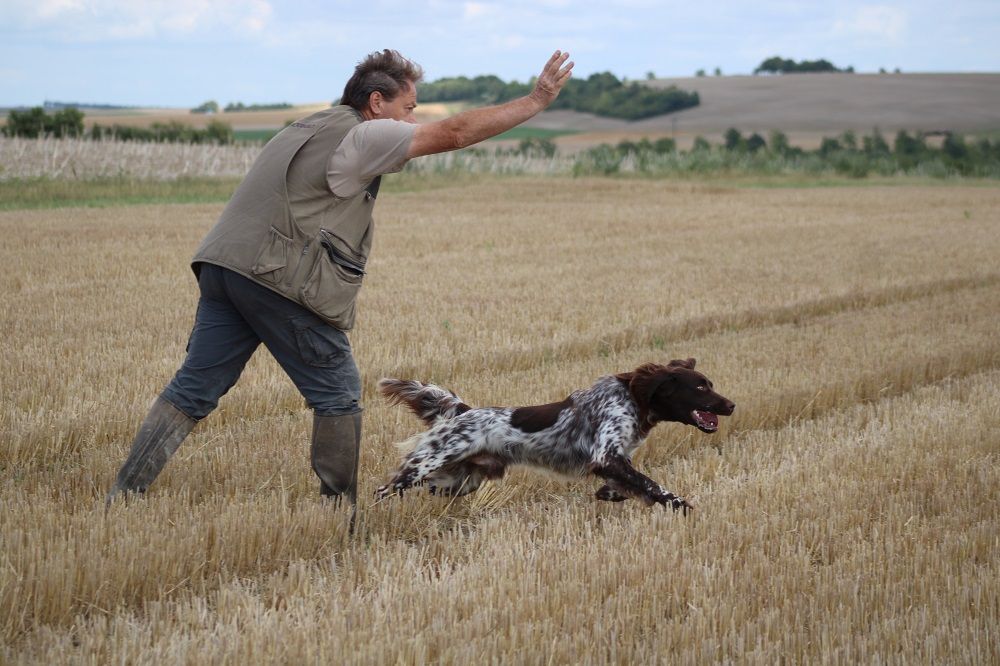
(235, 315)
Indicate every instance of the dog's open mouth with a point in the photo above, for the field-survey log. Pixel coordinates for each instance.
(706, 421)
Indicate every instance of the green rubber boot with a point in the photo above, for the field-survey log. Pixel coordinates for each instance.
(163, 430)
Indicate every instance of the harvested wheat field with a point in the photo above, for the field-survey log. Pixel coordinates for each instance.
(848, 512)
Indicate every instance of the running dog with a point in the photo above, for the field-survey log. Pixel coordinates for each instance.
(594, 430)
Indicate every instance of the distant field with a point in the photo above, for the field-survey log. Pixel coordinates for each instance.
(806, 107)
(523, 132)
(847, 513)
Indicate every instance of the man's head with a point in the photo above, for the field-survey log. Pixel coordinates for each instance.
(384, 86)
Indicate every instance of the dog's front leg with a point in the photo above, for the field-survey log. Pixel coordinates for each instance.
(624, 479)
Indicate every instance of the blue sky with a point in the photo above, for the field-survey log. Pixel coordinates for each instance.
(183, 52)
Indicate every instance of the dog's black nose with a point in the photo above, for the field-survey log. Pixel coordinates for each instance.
(730, 406)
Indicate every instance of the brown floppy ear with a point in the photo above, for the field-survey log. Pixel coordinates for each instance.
(687, 363)
(645, 381)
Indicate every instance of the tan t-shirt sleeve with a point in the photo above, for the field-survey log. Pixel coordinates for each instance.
(370, 149)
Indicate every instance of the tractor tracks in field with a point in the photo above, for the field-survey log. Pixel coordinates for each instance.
(670, 334)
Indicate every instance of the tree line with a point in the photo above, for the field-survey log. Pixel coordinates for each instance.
(779, 65)
(68, 122)
(602, 94)
(846, 154)
(211, 106)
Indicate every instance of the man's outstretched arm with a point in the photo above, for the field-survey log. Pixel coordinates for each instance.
(475, 125)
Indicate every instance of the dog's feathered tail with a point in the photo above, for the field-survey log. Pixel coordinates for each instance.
(431, 403)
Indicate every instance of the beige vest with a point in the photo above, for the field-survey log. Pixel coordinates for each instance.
(285, 230)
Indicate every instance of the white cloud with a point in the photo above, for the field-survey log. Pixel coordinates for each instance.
(53, 8)
(507, 42)
(91, 20)
(876, 21)
(477, 10)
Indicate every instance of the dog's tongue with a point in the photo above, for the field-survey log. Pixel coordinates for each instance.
(706, 419)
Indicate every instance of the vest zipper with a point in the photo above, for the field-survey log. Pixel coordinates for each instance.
(337, 256)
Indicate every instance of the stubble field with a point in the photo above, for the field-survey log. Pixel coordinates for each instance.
(848, 512)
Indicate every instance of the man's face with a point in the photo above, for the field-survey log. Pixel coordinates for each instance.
(399, 108)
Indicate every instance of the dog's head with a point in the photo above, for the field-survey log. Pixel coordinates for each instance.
(676, 392)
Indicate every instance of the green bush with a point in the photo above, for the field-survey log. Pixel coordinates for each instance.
(210, 106)
(34, 123)
(172, 132)
(739, 154)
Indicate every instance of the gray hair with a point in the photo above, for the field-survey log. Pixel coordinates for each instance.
(385, 71)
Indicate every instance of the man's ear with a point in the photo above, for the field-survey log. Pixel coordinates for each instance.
(375, 100)
(687, 363)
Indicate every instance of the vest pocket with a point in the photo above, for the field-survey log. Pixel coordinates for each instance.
(272, 259)
(331, 288)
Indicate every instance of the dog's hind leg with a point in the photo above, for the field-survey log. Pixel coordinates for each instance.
(426, 460)
(465, 476)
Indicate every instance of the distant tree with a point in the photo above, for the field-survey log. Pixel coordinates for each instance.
(29, 124)
(908, 150)
(875, 145)
(665, 145)
(774, 65)
(626, 147)
(829, 146)
(850, 140)
(718, 71)
(897, 71)
(701, 144)
(881, 70)
(954, 146)
(733, 139)
(219, 132)
(779, 143)
(651, 75)
(235, 107)
(909, 146)
(779, 65)
(700, 73)
(755, 142)
(537, 147)
(67, 122)
(211, 106)
(34, 123)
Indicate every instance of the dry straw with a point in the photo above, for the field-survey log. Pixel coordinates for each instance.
(848, 511)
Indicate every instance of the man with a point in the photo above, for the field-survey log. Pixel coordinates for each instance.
(285, 261)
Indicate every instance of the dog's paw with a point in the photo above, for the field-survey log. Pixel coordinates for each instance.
(386, 490)
(673, 501)
(682, 504)
(608, 494)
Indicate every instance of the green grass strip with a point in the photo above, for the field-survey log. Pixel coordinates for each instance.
(518, 133)
(51, 193)
(54, 193)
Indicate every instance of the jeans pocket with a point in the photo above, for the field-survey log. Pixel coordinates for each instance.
(320, 344)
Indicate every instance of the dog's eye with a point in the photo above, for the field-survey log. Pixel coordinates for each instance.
(702, 387)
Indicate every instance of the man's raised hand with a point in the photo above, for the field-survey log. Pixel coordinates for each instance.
(553, 77)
